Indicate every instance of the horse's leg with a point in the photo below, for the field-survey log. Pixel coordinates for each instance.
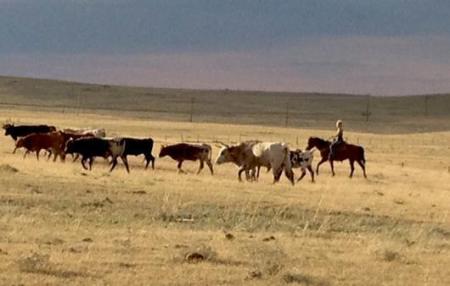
(332, 168)
(311, 172)
(323, 160)
(363, 167)
(352, 168)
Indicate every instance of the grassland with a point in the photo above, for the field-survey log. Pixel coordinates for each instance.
(62, 225)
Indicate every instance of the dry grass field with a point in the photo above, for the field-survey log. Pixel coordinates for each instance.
(61, 225)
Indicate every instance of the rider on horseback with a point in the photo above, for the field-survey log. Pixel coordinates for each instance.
(337, 140)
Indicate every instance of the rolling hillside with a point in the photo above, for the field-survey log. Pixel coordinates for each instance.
(403, 114)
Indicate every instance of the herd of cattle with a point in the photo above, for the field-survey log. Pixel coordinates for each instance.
(249, 156)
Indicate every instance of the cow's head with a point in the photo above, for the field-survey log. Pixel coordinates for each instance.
(163, 151)
(20, 143)
(7, 127)
(228, 154)
(69, 147)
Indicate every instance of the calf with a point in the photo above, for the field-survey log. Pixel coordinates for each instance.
(182, 151)
(52, 142)
(24, 130)
(89, 148)
(136, 147)
(302, 160)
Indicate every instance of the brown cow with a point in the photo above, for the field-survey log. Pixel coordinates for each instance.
(52, 142)
(242, 156)
(182, 151)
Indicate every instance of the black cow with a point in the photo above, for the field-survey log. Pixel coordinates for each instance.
(24, 130)
(182, 151)
(92, 147)
(136, 147)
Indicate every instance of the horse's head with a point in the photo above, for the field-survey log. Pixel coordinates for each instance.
(316, 142)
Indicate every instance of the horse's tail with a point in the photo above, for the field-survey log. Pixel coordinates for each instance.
(363, 157)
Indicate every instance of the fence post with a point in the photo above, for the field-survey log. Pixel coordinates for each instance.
(191, 109)
(286, 121)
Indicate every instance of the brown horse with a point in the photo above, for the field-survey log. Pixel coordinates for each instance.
(344, 151)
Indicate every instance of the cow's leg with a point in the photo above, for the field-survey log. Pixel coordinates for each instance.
(49, 154)
(180, 163)
(26, 152)
(153, 162)
(75, 157)
(37, 154)
(289, 174)
(302, 175)
(149, 158)
(83, 161)
(242, 169)
(91, 161)
(363, 167)
(113, 163)
(200, 168)
(55, 156)
(125, 162)
(323, 160)
(352, 167)
(311, 172)
(254, 174)
(15, 149)
(277, 174)
(210, 166)
(249, 174)
(332, 168)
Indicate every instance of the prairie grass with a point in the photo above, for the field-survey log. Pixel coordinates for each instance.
(60, 224)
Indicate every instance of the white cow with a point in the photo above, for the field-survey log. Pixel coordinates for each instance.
(99, 132)
(274, 155)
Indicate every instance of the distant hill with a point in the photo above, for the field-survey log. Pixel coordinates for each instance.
(394, 114)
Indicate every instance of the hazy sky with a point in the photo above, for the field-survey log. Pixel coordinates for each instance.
(352, 46)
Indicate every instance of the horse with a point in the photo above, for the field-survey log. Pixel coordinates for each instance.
(344, 151)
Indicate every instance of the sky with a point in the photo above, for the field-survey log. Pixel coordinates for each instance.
(383, 47)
